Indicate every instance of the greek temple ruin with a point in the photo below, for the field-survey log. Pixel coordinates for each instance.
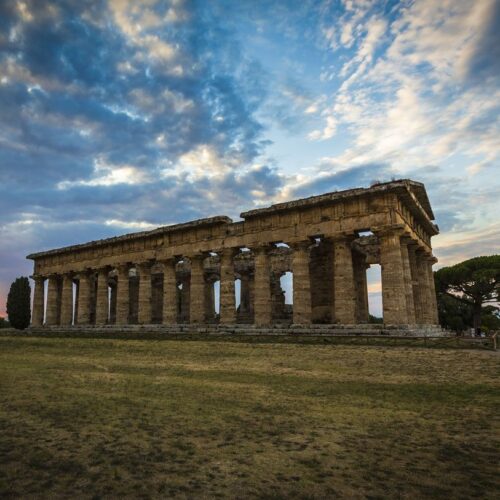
(167, 275)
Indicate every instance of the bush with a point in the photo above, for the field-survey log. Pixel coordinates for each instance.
(18, 303)
(4, 323)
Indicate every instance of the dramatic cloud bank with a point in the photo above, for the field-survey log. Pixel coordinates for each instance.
(119, 115)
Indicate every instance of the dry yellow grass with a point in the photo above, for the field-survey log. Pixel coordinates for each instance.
(94, 418)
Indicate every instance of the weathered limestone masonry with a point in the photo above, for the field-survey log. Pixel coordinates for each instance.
(327, 242)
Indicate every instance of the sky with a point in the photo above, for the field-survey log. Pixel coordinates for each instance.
(120, 115)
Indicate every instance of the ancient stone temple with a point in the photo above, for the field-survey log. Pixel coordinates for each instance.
(168, 275)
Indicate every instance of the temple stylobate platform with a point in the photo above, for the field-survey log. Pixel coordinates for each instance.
(166, 276)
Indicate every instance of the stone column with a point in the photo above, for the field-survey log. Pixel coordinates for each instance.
(38, 301)
(144, 293)
(361, 285)
(52, 300)
(246, 299)
(410, 302)
(209, 300)
(67, 300)
(417, 293)
(156, 297)
(92, 297)
(169, 292)
(83, 317)
(197, 290)
(112, 301)
(301, 283)
(122, 297)
(344, 302)
(393, 279)
(102, 302)
(184, 299)
(433, 310)
(262, 286)
(227, 297)
(423, 286)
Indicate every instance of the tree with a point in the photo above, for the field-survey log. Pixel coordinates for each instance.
(490, 319)
(453, 313)
(473, 282)
(4, 323)
(375, 319)
(18, 303)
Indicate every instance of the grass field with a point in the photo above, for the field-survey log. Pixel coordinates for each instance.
(94, 418)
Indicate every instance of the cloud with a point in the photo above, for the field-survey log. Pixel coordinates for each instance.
(130, 225)
(332, 177)
(482, 61)
(461, 245)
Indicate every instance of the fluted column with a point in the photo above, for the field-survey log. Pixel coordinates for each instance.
(423, 286)
(209, 301)
(410, 302)
(53, 300)
(262, 286)
(197, 291)
(145, 293)
(122, 297)
(344, 302)
(245, 313)
(113, 296)
(169, 292)
(361, 285)
(38, 301)
(227, 298)
(301, 283)
(417, 293)
(393, 279)
(83, 317)
(433, 311)
(67, 300)
(102, 300)
(185, 299)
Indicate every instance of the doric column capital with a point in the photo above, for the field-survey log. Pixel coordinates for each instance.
(123, 268)
(197, 256)
(145, 263)
(413, 247)
(304, 245)
(228, 252)
(395, 230)
(262, 248)
(431, 258)
(145, 266)
(38, 278)
(343, 236)
(169, 264)
(169, 261)
(426, 255)
(68, 276)
(407, 240)
(83, 273)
